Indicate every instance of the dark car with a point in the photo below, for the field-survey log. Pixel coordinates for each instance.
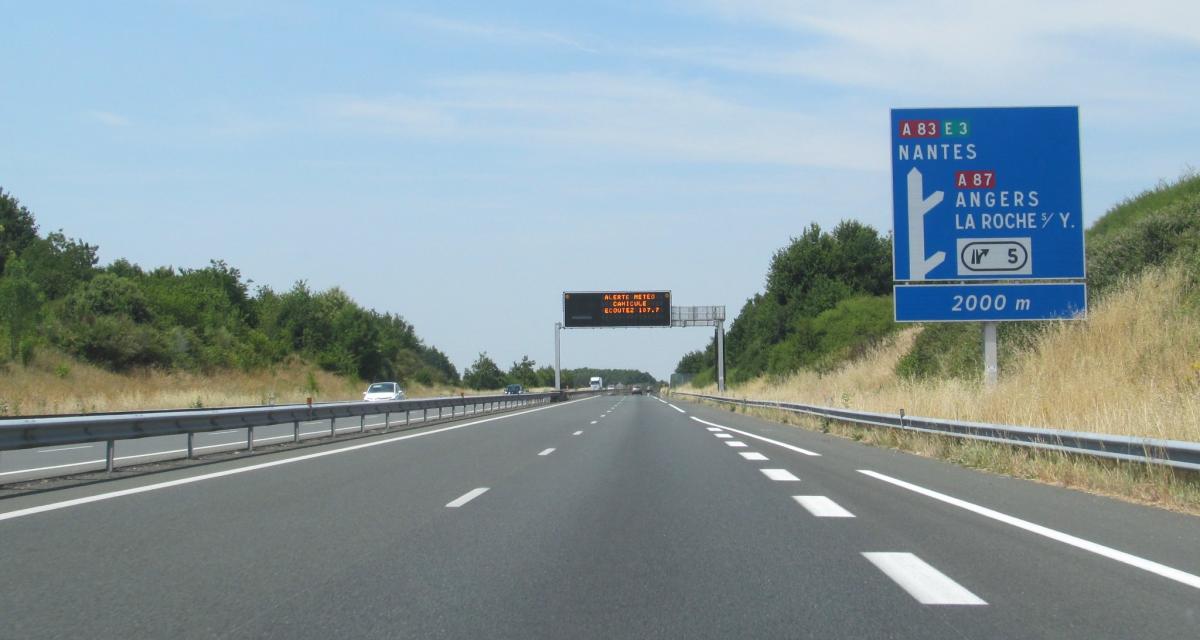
(513, 389)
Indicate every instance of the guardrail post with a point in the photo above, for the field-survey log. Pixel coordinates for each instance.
(110, 457)
(250, 439)
(439, 413)
(406, 417)
(387, 420)
(191, 445)
(296, 431)
(332, 430)
(425, 415)
(362, 423)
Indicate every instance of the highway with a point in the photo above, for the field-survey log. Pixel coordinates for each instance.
(606, 517)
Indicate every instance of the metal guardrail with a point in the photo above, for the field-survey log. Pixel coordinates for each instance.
(1171, 453)
(43, 431)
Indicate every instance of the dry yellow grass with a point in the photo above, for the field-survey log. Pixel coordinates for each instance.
(55, 384)
(1130, 368)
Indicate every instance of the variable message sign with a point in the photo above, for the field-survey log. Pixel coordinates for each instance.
(616, 309)
(987, 194)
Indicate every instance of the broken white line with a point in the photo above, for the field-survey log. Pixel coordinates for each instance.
(751, 435)
(752, 455)
(577, 433)
(547, 452)
(722, 435)
(921, 581)
(735, 443)
(822, 507)
(466, 497)
(780, 475)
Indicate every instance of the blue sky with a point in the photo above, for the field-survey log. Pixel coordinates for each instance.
(463, 164)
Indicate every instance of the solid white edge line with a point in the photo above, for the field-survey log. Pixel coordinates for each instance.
(822, 507)
(54, 506)
(922, 581)
(780, 475)
(78, 446)
(1156, 568)
(752, 455)
(751, 435)
(547, 452)
(466, 497)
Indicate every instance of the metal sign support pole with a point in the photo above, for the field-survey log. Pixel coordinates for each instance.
(991, 368)
(721, 356)
(557, 356)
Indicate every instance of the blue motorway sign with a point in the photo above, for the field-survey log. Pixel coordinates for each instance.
(989, 302)
(986, 194)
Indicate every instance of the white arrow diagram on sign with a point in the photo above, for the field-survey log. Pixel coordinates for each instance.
(918, 206)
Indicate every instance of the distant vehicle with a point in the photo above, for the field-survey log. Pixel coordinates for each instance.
(383, 391)
(596, 383)
(513, 389)
(635, 390)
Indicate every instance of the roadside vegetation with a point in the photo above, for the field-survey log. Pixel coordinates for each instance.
(485, 374)
(122, 336)
(1133, 367)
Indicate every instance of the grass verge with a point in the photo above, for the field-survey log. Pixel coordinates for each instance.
(55, 383)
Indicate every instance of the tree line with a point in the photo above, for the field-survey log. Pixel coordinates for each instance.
(827, 298)
(123, 317)
(484, 373)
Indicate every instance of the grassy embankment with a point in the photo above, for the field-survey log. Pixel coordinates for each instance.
(1133, 367)
(55, 383)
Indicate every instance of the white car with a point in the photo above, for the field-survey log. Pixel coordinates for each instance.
(383, 391)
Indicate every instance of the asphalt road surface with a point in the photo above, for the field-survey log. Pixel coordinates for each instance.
(606, 517)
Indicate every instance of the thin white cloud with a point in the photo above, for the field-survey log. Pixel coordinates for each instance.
(108, 118)
(1109, 55)
(498, 33)
(393, 114)
(639, 116)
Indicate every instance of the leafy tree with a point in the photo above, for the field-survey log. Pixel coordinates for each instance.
(483, 374)
(545, 377)
(20, 304)
(524, 373)
(59, 264)
(17, 228)
(784, 328)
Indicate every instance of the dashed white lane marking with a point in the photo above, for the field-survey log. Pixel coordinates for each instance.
(466, 497)
(822, 507)
(780, 475)
(547, 452)
(1163, 570)
(81, 446)
(577, 433)
(55, 506)
(735, 443)
(593, 422)
(921, 581)
(676, 408)
(752, 455)
(722, 435)
(751, 435)
(713, 429)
